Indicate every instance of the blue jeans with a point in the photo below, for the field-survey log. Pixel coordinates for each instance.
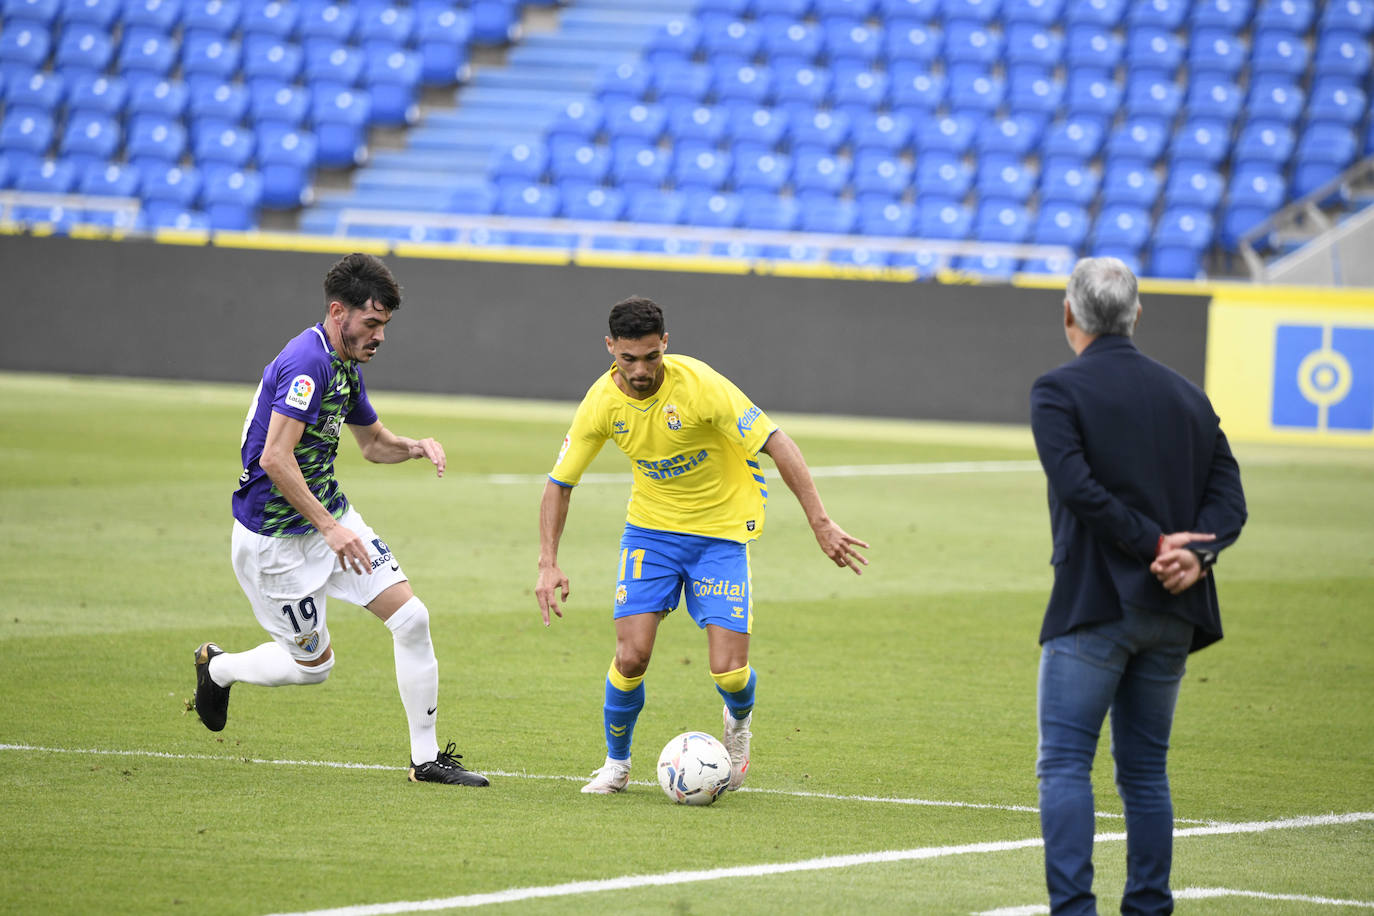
(1131, 667)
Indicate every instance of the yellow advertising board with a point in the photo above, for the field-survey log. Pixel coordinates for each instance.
(1292, 364)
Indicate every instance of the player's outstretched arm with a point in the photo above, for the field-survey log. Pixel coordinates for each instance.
(838, 545)
(553, 515)
(381, 446)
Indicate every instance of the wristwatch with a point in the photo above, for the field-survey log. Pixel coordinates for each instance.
(1205, 558)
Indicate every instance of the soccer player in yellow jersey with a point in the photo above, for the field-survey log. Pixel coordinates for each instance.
(697, 501)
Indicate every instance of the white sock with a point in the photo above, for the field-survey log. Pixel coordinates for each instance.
(417, 676)
(269, 665)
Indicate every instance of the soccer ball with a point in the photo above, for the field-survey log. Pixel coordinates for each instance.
(694, 769)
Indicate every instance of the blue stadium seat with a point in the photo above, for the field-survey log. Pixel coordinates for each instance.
(35, 90)
(1101, 13)
(704, 208)
(594, 203)
(332, 22)
(697, 123)
(1060, 224)
(161, 16)
(986, 266)
(581, 120)
(1292, 16)
(1154, 49)
(760, 170)
(286, 159)
(386, 22)
(824, 131)
(788, 39)
(764, 210)
(1139, 139)
(977, 94)
(1324, 151)
(168, 183)
(220, 17)
(217, 101)
(1094, 94)
(145, 51)
(231, 197)
(950, 134)
(882, 174)
(756, 127)
(209, 56)
(1093, 49)
(726, 38)
(888, 133)
(638, 120)
(1006, 179)
(1001, 221)
(843, 9)
(1015, 136)
(529, 200)
(859, 88)
(1276, 100)
(1278, 52)
(274, 102)
(156, 139)
(983, 11)
(24, 44)
(90, 134)
(1193, 185)
(1160, 14)
(109, 179)
(392, 78)
(699, 166)
(1151, 95)
(909, 41)
(100, 13)
(1200, 141)
(916, 89)
(1227, 15)
(671, 81)
(98, 93)
(1253, 195)
(1076, 137)
(525, 162)
(655, 207)
(47, 176)
(972, 43)
(909, 10)
(1337, 102)
(1178, 242)
(943, 174)
(162, 215)
(635, 164)
(886, 218)
(268, 57)
(1034, 45)
(792, 9)
(747, 83)
(1036, 12)
(269, 19)
(334, 64)
(1068, 181)
(1355, 16)
(340, 118)
(1265, 143)
(1341, 54)
(829, 215)
(1121, 226)
(938, 218)
(1213, 97)
(585, 163)
(83, 47)
(442, 39)
(1215, 51)
(678, 39)
(1130, 184)
(154, 95)
(1035, 94)
(820, 172)
(801, 83)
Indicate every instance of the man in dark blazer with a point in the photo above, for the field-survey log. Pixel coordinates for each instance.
(1143, 494)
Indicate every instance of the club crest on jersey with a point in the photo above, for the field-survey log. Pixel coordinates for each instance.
(298, 395)
(332, 426)
(670, 414)
(622, 594)
(309, 641)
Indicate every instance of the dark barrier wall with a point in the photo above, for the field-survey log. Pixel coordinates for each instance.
(916, 350)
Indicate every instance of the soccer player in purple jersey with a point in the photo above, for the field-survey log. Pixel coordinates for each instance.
(296, 539)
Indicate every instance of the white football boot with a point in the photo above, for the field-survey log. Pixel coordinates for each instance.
(612, 777)
(736, 741)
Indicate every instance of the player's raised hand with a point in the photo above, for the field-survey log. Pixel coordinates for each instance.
(431, 449)
(839, 546)
(349, 548)
(551, 581)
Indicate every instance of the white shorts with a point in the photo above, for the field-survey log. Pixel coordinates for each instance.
(288, 578)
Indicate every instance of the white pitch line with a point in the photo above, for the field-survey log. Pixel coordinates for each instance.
(838, 470)
(876, 799)
(1198, 893)
(630, 882)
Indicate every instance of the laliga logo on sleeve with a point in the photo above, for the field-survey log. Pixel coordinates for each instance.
(300, 392)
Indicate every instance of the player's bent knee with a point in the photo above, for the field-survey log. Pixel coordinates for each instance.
(410, 623)
(316, 674)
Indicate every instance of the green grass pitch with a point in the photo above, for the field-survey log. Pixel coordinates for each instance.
(914, 682)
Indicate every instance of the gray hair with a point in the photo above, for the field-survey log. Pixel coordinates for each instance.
(1103, 297)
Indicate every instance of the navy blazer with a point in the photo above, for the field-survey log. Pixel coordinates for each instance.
(1131, 450)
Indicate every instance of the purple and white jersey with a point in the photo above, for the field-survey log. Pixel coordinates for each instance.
(307, 381)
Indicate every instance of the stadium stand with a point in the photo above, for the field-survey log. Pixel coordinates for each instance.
(1158, 130)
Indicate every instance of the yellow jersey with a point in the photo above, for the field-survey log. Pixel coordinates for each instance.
(692, 448)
